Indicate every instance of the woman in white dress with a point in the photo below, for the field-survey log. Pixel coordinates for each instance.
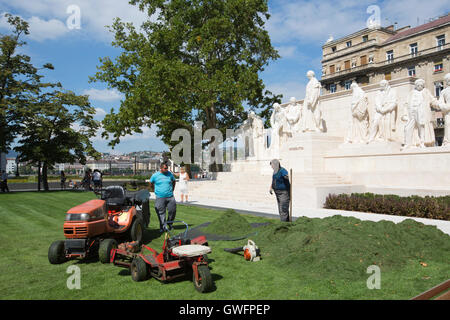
(183, 184)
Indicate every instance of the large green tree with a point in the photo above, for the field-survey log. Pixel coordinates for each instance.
(19, 81)
(52, 124)
(58, 129)
(190, 61)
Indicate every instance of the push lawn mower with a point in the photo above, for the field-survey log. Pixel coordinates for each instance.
(179, 257)
(96, 226)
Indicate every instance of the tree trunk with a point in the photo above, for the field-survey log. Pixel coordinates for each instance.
(211, 123)
(44, 176)
(39, 176)
(187, 168)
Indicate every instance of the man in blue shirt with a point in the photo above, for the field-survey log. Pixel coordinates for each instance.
(281, 186)
(164, 184)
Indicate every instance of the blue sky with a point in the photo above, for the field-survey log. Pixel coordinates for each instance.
(298, 29)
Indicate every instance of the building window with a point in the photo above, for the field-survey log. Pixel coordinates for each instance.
(413, 49)
(347, 64)
(438, 86)
(347, 84)
(390, 56)
(438, 67)
(412, 71)
(332, 69)
(353, 64)
(332, 88)
(333, 49)
(349, 44)
(363, 60)
(440, 42)
(371, 59)
(365, 38)
(387, 76)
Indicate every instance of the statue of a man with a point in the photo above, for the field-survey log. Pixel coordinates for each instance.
(444, 106)
(293, 114)
(277, 123)
(312, 115)
(419, 116)
(385, 116)
(257, 126)
(359, 124)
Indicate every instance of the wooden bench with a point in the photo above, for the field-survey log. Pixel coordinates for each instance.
(439, 292)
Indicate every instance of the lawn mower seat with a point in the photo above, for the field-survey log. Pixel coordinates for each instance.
(114, 196)
(191, 250)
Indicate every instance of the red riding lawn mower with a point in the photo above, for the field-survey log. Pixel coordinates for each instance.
(97, 226)
(180, 257)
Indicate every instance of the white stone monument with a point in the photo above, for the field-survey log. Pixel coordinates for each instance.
(293, 116)
(312, 146)
(312, 113)
(383, 124)
(359, 116)
(444, 106)
(257, 130)
(419, 117)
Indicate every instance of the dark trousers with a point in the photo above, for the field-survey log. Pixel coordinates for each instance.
(283, 199)
(161, 204)
(4, 186)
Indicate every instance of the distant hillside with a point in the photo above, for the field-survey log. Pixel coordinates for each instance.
(11, 154)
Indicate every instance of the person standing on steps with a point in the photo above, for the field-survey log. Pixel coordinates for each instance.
(281, 187)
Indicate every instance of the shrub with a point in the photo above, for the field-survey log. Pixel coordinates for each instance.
(412, 206)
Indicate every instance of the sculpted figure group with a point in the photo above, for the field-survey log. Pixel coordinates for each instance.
(418, 128)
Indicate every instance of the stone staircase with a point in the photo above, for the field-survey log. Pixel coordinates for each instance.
(253, 187)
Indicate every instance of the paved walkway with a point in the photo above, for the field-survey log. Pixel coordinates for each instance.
(271, 210)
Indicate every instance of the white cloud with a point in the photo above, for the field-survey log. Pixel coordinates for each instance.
(94, 15)
(99, 113)
(312, 22)
(146, 134)
(287, 51)
(104, 95)
(406, 12)
(41, 30)
(288, 89)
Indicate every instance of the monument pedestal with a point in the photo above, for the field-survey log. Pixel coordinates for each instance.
(305, 152)
(373, 166)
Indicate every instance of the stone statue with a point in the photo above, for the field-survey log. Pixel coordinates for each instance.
(293, 115)
(312, 115)
(277, 123)
(419, 116)
(257, 128)
(359, 123)
(444, 106)
(385, 116)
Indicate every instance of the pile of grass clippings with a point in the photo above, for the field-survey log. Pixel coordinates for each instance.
(343, 247)
(230, 223)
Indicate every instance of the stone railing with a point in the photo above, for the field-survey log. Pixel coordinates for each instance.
(347, 50)
(392, 61)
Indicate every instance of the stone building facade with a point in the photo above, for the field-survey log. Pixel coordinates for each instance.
(373, 54)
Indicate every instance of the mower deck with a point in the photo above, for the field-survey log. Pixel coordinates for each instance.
(178, 258)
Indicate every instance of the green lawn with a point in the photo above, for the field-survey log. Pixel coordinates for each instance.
(302, 268)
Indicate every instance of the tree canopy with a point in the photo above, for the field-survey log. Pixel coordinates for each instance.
(19, 81)
(52, 125)
(190, 61)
